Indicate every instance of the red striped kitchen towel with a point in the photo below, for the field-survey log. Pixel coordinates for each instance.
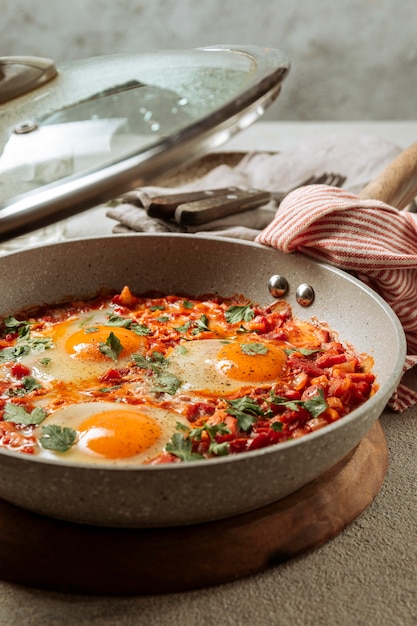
(376, 241)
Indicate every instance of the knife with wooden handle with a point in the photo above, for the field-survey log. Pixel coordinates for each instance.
(164, 206)
(210, 209)
(200, 207)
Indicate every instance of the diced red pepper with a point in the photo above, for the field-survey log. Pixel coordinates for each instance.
(19, 371)
(329, 359)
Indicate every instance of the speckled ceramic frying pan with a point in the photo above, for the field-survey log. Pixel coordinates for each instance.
(194, 492)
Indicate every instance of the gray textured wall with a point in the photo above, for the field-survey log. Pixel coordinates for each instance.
(351, 59)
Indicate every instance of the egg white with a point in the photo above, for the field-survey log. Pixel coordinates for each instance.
(56, 364)
(72, 416)
(198, 366)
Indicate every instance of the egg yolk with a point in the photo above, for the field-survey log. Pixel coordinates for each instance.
(118, 434)
(85, 343)
(251, 362)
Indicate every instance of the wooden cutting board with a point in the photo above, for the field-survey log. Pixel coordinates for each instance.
(50, 554)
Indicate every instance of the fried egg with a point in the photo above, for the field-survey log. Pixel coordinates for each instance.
(77, 349)
(221, 367)
(111, 432)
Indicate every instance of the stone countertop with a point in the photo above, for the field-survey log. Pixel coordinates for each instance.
(366, 575)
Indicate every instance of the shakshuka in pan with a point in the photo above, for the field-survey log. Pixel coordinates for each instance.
(126, 379)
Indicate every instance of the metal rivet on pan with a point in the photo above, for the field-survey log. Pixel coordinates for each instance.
(304, 294)
(25, 127)
(278, 286)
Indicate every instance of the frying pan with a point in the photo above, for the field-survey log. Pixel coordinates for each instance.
(189, 493)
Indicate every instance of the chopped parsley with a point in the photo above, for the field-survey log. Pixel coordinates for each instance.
(28, 384)
(245, 410)
(183, 328)
(253, 348)
(57, 438)
(239, 313)
(314, 405)
(140, 329)
(165, 381)
(21, 327)
(112, 347)
(117, 320)
(201, 325)
(91, 329)
(18, 414)
(303, 351)
(181, 445)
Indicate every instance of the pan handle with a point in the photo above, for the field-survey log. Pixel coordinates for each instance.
(397, 183)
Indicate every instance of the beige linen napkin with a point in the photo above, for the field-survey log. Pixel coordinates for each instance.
(358, 157)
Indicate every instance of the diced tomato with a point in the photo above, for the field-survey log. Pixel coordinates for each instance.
(303, 365)
(339, 387)
(265, 438)
(329, 359)
(238, 445)
(112, 375)
(298, 415)
(196, 410)
(310, 392)
(357, 377)
(347, 367)
(359, 392)
(19, 371)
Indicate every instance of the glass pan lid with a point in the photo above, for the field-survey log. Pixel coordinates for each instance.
(105, 125)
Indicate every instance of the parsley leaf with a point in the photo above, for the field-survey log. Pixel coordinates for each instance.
(18, 414)
(25, 343)
(211, 429)
(253, 348)
(117, 320)
(304, 351)
(38, 343)
(317, 404)
(112, 347)
(314, 405)
(165, 381)
(215, 448)
(181, 447)
(183, 328)
(11, 354)
(21, 327)
(201, 325)
(140, 329)
(28, 384)
(239, 313)
(90, 329)
(58, 438)
(245, 410)
(127, 322)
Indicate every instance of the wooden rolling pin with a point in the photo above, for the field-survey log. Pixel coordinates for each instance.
(397, 183)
